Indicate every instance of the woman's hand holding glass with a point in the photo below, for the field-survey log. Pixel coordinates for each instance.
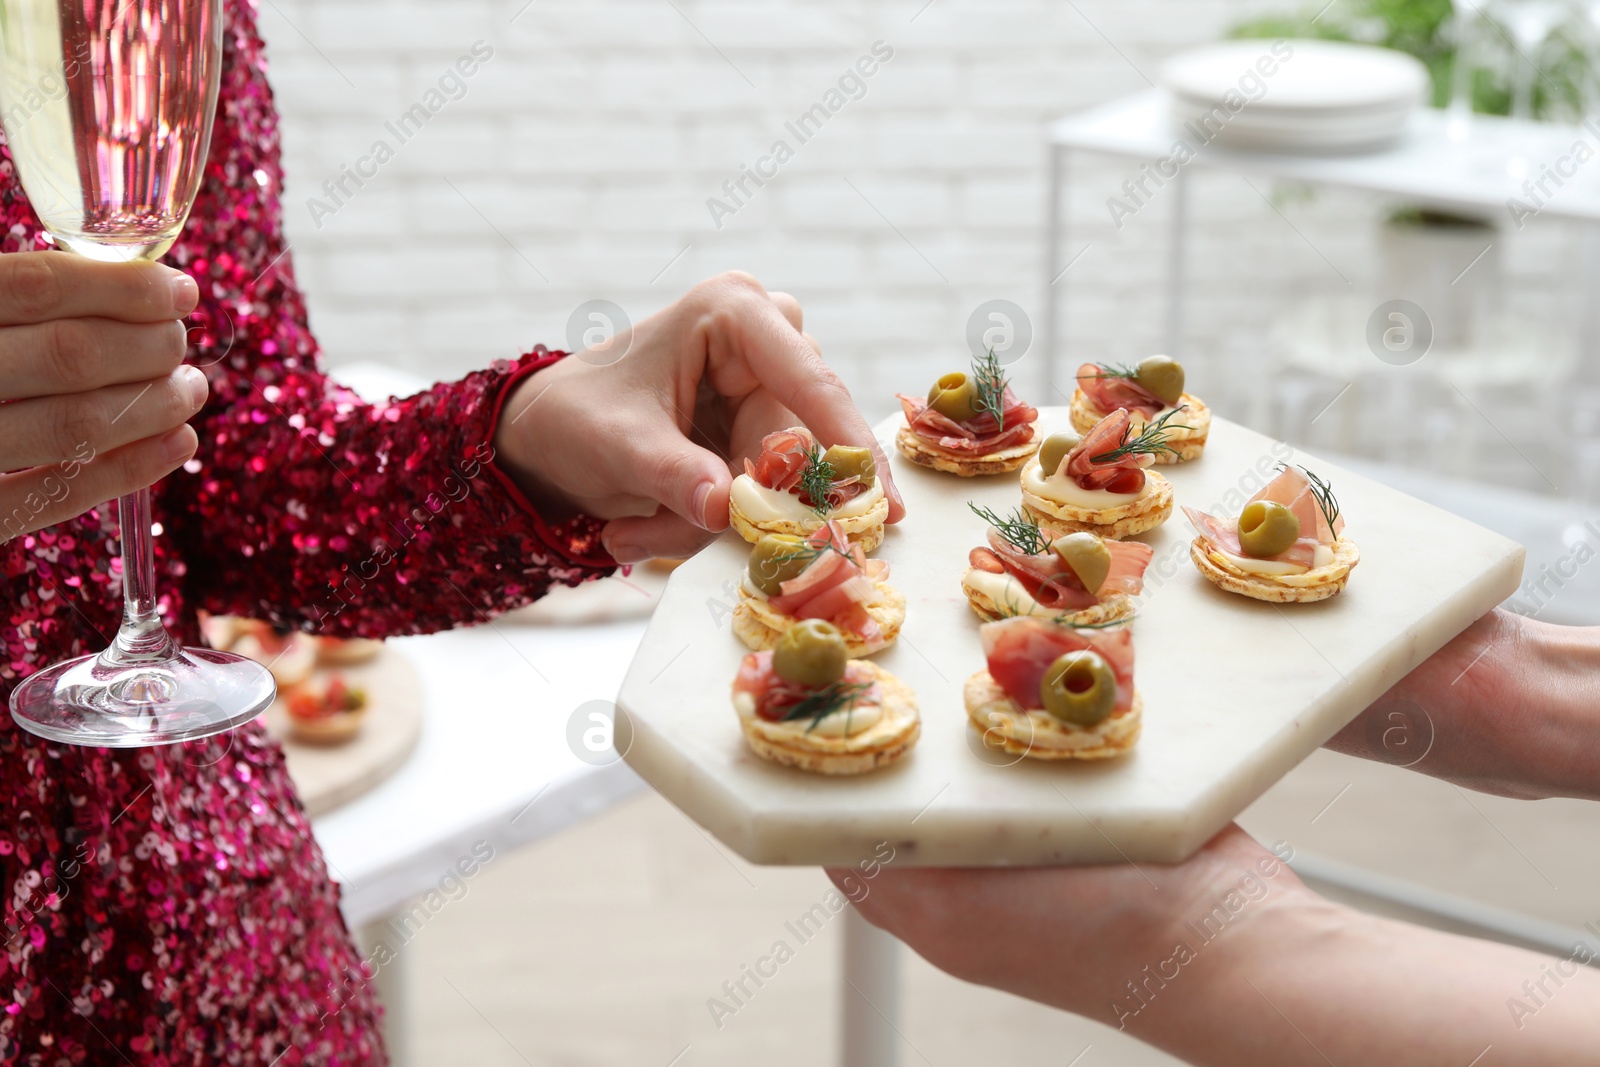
(94, 396)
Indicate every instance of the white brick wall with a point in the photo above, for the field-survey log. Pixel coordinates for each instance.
(586, 148)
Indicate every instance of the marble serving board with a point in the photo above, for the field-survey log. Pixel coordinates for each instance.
(1236, 692)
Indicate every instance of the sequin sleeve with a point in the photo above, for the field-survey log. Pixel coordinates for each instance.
(311, 509)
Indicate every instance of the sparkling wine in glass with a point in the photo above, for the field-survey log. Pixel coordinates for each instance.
(107, 108)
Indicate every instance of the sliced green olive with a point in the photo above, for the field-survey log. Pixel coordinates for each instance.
(1088, 557)
(775, 559)
(1079, 688)
(955, 396)
(851, 462)
(1267, 528)
(1163, 376)
(811, 653)
(1055, 449)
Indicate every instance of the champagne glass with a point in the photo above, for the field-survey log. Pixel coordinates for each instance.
(1465, 25)
(107, 107)
(1530, 23)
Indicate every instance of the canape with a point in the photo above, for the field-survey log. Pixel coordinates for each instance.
(1079, 579)
(806, 704)
(795, 486)
(289, 656)
(346, 651)
(1099, 482)
(1147, 391)
(1055, 692)
(325, 711)
(970, 424)
(790, 579)
(1285, 547)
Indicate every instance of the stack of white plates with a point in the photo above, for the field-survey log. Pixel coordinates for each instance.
(1293, 96)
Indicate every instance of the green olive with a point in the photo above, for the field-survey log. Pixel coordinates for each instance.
(851, 462)
(1079, 688)
(1055, 449)
(1163, 376)
(955, 396)
(811, 653)
(1088, 557)
(775, 559)
(1267, 528)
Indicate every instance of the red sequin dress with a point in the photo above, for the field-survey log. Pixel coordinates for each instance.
(168, 906)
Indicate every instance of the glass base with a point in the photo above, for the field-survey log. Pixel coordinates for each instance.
(195, 693)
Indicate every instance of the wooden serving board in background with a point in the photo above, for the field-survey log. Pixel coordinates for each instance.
(329, 775)
(1236, 692)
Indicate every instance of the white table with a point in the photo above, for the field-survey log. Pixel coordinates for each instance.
(493, 769)
(1431, 165)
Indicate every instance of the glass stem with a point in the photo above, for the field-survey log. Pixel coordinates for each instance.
(141, 638)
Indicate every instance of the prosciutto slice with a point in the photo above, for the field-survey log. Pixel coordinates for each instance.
(1054, 585)
(974, 437)
(1021, 649)
(1292, 489)
(775, 697)
(1083, 464)
(784, 455)
(1107, 393)
(836, 586)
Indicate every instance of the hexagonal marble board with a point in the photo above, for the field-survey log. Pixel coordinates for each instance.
(1236, 692)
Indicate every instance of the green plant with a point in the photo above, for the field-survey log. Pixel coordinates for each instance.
(1425, 29)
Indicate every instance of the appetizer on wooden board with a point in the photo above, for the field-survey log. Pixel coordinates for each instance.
(325, 710)
(970, 424)
(1147, 392)
(1079, 579)
(795, 486)
(1100, 482)
(790, 579)
(806, 704)
(1054, 692)
(1285, 547)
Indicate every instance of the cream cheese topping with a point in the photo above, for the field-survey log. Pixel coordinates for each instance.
(1063, 490)
(1006, 592)
(841, 723)
(1323, 558)
(760, 504)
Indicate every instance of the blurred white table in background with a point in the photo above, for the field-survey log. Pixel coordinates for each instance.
(1479, 165)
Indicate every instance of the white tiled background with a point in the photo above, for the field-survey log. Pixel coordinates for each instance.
(580, 159)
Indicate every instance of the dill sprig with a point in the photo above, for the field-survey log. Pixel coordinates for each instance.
(1114, 370)
(1326, 502)
(808, 552)
(1152, 440)
(1021, 530)
(827, 700)
(816, 480)
(990, 381)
